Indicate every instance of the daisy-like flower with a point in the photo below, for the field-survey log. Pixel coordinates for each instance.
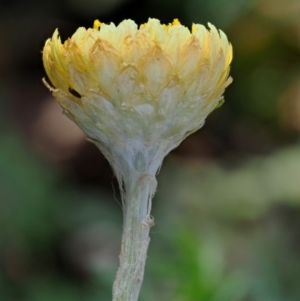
(137, 93)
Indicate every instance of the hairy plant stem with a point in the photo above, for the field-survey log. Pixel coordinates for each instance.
(139, 190)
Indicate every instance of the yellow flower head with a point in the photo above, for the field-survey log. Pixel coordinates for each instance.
(139, 90)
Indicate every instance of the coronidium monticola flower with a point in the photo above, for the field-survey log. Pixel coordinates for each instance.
(137, 92)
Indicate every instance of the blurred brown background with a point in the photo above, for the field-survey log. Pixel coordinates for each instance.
(228, 203)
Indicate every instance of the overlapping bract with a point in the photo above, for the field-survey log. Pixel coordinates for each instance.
(148, 84)
(157, 53)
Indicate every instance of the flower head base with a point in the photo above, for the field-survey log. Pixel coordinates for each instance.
(138, 92)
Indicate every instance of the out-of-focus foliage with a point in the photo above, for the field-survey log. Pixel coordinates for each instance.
(227, 210)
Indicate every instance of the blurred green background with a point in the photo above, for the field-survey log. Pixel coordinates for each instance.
(227, 210)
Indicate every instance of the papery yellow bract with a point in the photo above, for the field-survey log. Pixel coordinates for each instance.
(139, 89)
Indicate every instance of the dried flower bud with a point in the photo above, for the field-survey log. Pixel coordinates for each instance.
(137, 93)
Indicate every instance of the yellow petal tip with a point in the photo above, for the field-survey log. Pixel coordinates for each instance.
(97, 24)
(176, 22)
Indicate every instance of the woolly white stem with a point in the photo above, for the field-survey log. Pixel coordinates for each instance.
(139, 190)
